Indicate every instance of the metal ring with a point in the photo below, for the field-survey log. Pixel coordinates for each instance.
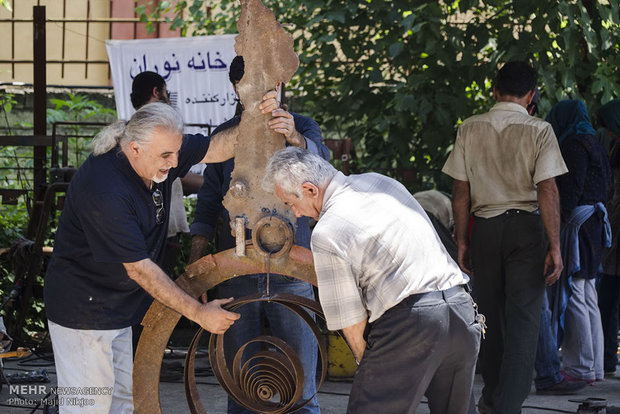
(285, 239)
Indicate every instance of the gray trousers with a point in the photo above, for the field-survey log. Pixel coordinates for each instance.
(508, 253)
(582, 350)
(427, 344)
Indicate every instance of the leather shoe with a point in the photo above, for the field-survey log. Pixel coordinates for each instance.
(563, 387)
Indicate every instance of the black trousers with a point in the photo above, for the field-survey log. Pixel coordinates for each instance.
(508, 253)
(427, 344)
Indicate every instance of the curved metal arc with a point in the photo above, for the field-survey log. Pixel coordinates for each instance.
(218, 361)
(160, 321)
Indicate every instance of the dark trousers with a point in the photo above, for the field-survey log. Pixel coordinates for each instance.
(609, 304)
(508, 253)
(427, 344)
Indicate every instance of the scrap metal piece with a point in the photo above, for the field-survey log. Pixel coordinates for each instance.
(200, 276)
(269, 58)
(270, 381)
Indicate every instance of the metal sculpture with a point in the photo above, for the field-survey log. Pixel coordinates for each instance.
(272, 380)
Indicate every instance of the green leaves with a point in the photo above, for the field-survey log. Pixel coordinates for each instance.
(396, 49)
(398, 76)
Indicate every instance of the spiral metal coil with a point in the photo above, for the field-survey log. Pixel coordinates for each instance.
(270, 381)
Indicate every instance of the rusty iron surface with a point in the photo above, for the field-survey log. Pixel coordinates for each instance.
(273, 237)
(269, 58)
(270, 381)
(160, 321)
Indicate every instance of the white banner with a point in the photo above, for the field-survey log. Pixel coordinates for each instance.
(195, 70)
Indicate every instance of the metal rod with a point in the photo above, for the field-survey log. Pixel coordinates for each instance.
(81, 20)
(87, 38)
(24, 140)
(268, 275)
(54, 146)
(240, 236)
(110, 26)
(64, 27)
(62, 62)
(39, 121)
(13, 41)
(65, 151)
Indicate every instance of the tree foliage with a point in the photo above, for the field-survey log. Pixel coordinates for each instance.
(398, 76)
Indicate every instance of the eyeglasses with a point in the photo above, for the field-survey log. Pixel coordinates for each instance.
(160, 213)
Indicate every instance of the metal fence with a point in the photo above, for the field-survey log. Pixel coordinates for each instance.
(70, 146)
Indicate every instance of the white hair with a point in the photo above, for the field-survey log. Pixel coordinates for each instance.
(139, 127)
(290, 167)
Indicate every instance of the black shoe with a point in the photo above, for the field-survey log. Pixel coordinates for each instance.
(563, 387)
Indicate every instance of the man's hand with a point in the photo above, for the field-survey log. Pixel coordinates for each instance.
(460, 206)
(213, 318)
(354, 335)
(553, 260)
(284, 123)
(465, 258)
(270, 102)
(549, 205)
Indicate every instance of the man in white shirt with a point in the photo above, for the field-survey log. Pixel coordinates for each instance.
(386, 280)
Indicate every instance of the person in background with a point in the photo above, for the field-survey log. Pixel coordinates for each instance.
(504, 165)
(549, 379)
(585, 232)
(609, 285)
(298, 131)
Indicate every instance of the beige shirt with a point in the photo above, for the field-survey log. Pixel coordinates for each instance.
(503, 154)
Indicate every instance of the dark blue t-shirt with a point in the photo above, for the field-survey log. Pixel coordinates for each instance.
(109, 218)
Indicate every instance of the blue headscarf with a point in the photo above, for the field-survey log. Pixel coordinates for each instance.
(570, 118)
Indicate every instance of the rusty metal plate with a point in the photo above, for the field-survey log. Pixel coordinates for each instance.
(267, 51)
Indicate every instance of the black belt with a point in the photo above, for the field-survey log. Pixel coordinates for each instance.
(512, 212)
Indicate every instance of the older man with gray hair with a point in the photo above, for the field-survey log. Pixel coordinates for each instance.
(386, 280)
(104, 271)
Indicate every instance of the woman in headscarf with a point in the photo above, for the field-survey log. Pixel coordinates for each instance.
(609, 286)
(585, 231)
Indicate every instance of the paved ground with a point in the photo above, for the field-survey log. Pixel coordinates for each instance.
(332, 397)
